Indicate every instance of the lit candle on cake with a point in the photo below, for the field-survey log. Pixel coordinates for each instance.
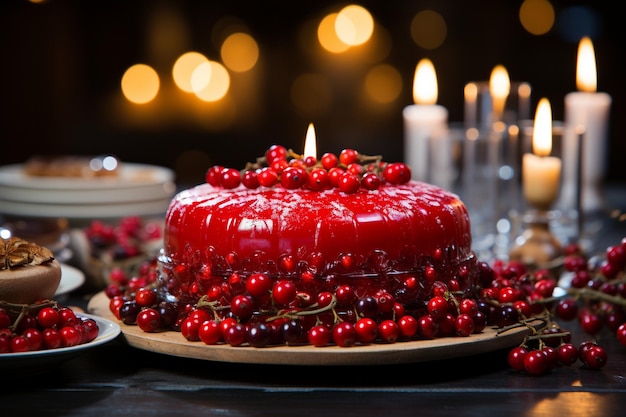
(586, 110)
(499, 88)
(310, 147)
(541, 172)
(424, 122)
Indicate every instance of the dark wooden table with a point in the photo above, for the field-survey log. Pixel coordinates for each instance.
(115, 379)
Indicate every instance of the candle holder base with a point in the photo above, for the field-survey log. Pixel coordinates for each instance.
(537, 246)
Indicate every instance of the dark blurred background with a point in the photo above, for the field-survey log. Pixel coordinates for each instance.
(63, 61)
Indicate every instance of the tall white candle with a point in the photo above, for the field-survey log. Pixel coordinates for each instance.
(540, 172)
(425, 123)
(585, 110)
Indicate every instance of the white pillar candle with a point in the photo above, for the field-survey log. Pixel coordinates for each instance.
(425, 123)
(541, 173)
(588, 110)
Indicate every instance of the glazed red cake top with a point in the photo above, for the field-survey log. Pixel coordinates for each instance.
(401, 223)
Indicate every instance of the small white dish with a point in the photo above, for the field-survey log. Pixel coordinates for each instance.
(71, 279)
(39, 360)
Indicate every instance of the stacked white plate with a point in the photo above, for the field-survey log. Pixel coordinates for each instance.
(138, 189)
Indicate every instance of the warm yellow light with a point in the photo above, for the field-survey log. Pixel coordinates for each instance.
(184, 67)
(201, 76)
(327, 36)
(428, 29)
(586, 74)
(218, 83)
(537, 16)
(354, 25)
(140, 84)
(383, 83)
(542, 131)
(425, 89)
(499, 83)
(240, 52)
(310, 146)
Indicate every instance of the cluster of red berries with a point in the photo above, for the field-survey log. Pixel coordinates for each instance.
(124, 239)
(347, 172)
(507, 296)
(540, 359)
(42, 325)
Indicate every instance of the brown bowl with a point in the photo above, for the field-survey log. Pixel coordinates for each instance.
(28, 284)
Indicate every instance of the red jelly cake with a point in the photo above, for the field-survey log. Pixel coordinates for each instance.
(290, 233)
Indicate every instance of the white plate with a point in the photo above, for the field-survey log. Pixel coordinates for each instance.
(134, 183)
(71, 279)
(41, 359)
(85, 211)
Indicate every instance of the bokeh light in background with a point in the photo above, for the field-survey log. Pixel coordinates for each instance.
(140, 84)
(428, 29)
(383, 84)
(354, 25)
(212, 83)
(240, 52)
(537, 16)
(183, 69)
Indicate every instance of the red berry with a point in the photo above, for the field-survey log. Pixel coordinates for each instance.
(348, 183)
(366, 330)
(242, 306)
(284, 292)
(438, 307)
(19, 344)
(516, 357)
(70, 336)
(536, 362)
(348, 156)
(51, 338)
(428, 327)
(210, 332)
(329, 160)
(250, 179)
(319, 335)
(46, 317)
(230, 178)
(294, 177)
(146, 297)
(567, 309)
(408, 326)
(567, 353)
(344, 334)
(464, 325)
(149, 320)
(397, 173)
(190, 329)
(275, 152)
(370, 181)
(621, 334)
(267, 177)
(388, 331)
(235, 335)
(258, 285)
(590, 323)
(213, 175)
(318, 179)
(595, 357)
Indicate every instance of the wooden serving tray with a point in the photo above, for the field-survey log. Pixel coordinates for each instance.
(173, 343)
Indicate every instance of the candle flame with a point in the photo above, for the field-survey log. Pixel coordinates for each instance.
(586, 77)
(425, 87)
(310, 146)
(542, 132)
(499, 83)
